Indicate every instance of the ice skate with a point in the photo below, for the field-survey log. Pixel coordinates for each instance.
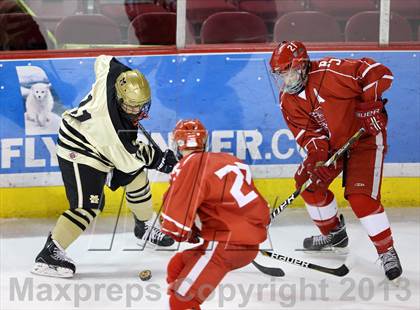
(391, 263)
(52, 261)
(150, 234)
(335, 242)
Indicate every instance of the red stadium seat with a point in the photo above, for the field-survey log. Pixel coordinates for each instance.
(270, 10)
(56, 8)
(169, 5)
(364, 27)
(342, 10)
(233, 27)
(199, 11)
(88, 29)
(418, 33)
(20, 31)
(156, 28)
(51, 12)
(153, 28)
(308, 26)
(406, 8)
(124, 13)
(9, 6)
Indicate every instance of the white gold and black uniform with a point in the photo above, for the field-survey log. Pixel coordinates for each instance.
(94, 139)
(95, 133)
(98, 135)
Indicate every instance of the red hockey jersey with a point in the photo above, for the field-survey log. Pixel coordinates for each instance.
(219, 189)
(323, 114)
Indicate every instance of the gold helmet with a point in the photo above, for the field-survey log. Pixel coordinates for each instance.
(133, 93)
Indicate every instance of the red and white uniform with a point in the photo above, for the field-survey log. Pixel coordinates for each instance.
(218, 189)
(322, 116)
(324, 110)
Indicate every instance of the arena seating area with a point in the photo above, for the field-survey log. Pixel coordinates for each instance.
(153, 22)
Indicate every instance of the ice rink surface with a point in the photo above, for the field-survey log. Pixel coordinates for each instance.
(108, 265)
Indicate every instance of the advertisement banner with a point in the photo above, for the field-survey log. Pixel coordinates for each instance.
(232, 94)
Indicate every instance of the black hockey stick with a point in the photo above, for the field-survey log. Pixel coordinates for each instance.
(330, 161)
(339, 272)
(272, 271)
(148, 136)
(276, 272)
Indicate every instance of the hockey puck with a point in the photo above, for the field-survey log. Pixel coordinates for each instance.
(145, 275)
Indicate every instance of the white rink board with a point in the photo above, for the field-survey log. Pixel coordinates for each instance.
(258, 172)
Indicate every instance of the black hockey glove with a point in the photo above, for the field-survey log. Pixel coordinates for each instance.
(167, 162)
(154, 158)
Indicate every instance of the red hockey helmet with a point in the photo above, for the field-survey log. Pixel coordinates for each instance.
(290, 65)
(190, 135)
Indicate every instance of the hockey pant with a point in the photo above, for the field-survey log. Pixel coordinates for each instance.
(193, 274)
(84, 190)
(137, 192)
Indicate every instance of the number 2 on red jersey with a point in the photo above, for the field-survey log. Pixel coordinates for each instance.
(235, 190)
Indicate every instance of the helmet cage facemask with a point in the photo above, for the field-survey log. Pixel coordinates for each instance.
(190, 140)
(137, 112)
(292, 79)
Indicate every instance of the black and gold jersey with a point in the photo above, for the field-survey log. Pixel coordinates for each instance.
(96, 133)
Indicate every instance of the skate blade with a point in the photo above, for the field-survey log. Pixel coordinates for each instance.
(50, 271)
(146, 244)
(396, 282)
(325, 251)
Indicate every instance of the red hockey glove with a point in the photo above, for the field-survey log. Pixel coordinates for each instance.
(194, 236)
(306, 168)
(372, 117)
(322, 176)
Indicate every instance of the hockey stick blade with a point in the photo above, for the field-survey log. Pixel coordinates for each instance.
(271, 271)
(339, 272)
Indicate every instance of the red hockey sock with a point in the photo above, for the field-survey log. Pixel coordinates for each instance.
(322, 208)
(382, 241)
(175, 266)
(318, 198)
(325, 227)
